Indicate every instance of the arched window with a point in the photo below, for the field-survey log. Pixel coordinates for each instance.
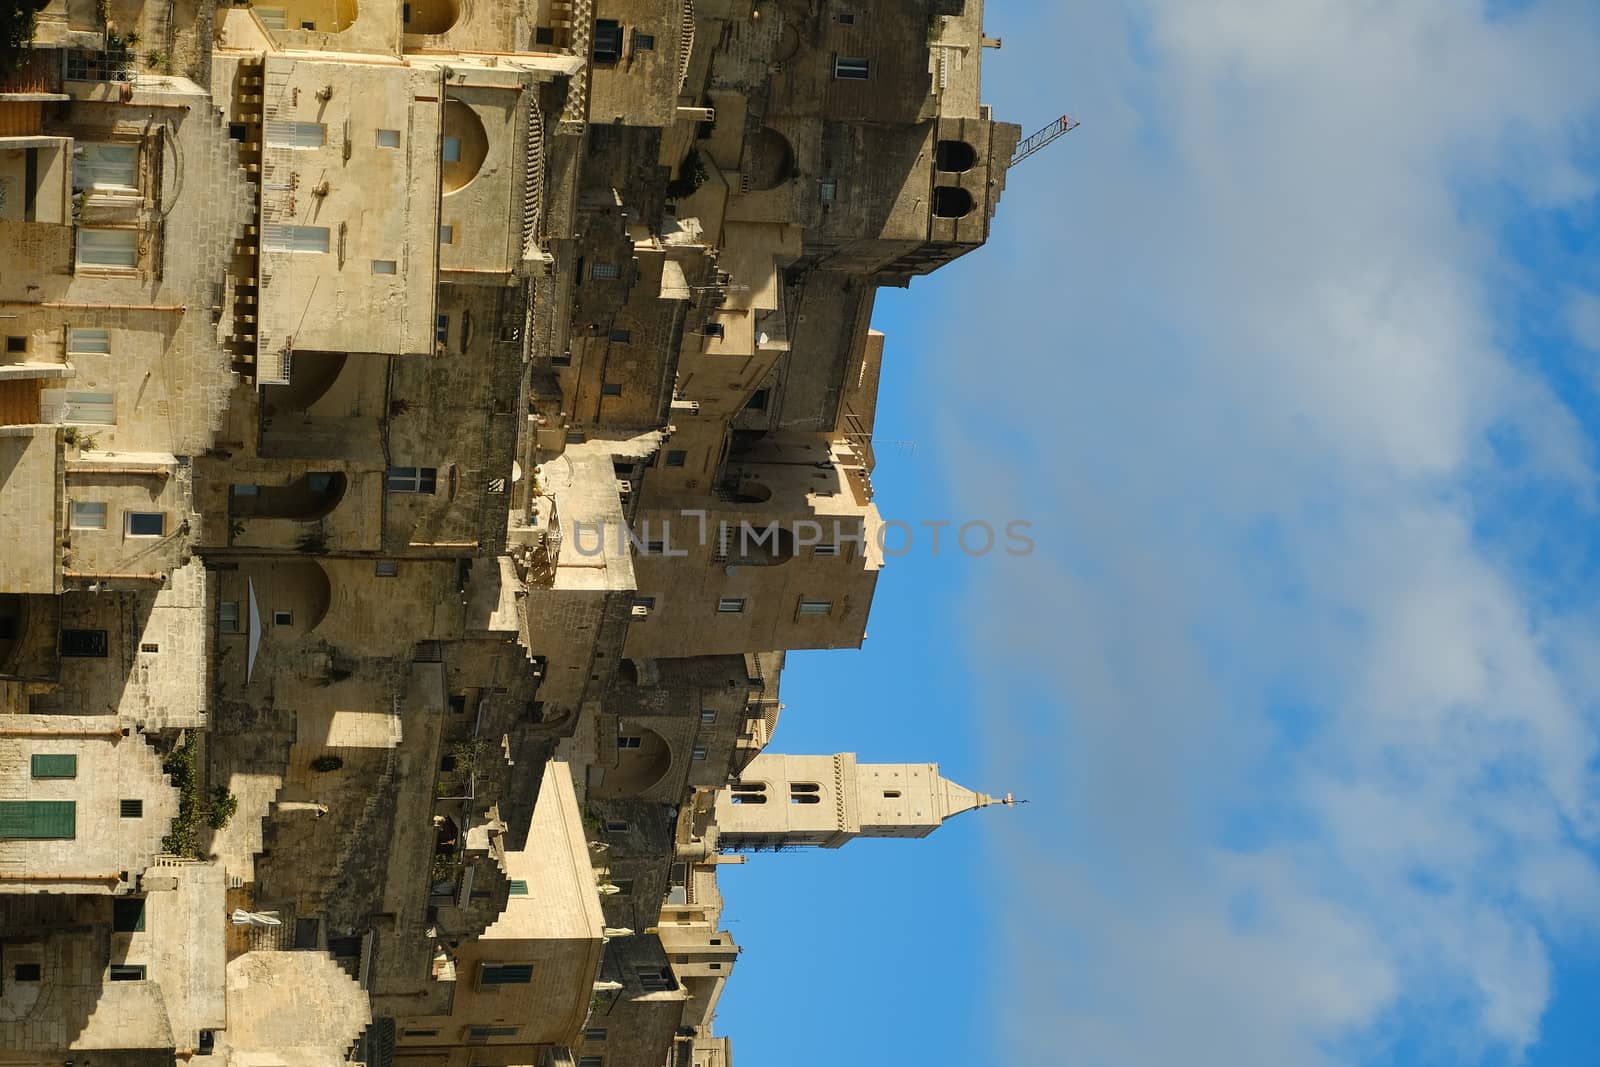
(950, 202)
(805, 793)
(954, 156)
(749, 792)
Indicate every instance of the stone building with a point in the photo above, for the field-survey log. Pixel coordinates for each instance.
(424, 427)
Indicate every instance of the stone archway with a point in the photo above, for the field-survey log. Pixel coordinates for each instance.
(643, 760)
(465, 146)
(768, 159)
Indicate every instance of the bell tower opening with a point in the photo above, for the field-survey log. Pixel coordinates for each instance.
(951, 202)
(955, 157)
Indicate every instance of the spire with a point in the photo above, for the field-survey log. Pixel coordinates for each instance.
(954, 799)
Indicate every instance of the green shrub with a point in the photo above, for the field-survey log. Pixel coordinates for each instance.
(223, 806)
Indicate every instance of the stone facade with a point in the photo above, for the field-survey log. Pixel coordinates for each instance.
(425, 427)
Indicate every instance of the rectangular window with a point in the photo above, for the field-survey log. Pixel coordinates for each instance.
(828, 190)
(88, 342)
(624, 885)
(643, 42)
(127, 915)
(86, 644)
(38, 820)
(384, 266)
(47, 765)
(616, 826)
(283, 134)
(412, 479)
(26, 972)
(845, 19)
(419, 1033)
(731, 605)
(16, 345)
(447, 235)
(816, 607)
(825, 550)
(544, 35)
(149, 646)
(506, 974)
(610, 389)
(715, 329)
(145, 523)
(78, 407)
(281, 237)
(591, 1061)
(387, 568)
(699, 752)
(107, 247)
(607, 40)
(283, 618)
(758, 400)
(441, 329)
(517, 887)
(644, 605)
(451, 151)
(654, 982)
(850, 68)
(88, 515)
(707, 716)
(122, 972)
(480, 1033)
(131, 808)
(109, 167)
(629, 742)
(595, 1033)
(621, 336)
(388, 138)
(228, 616)
(603, 272)
(676, 457)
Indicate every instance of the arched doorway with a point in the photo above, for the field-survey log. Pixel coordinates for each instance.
(310, 497)
(465, 146)
(643, 760)
(769, 159)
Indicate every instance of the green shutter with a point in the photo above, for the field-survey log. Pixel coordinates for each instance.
(519, 888)
(38, 820)
(54, 766)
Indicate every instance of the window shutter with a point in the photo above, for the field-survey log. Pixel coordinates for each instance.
(55, 766)
(38, 820)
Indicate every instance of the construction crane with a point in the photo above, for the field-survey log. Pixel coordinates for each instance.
(1045, 137)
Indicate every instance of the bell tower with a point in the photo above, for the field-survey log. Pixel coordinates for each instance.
(824, 801)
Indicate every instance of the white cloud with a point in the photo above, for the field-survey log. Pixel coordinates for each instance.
(1326, 761)
(1584, 313)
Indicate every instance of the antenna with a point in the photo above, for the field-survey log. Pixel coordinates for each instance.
(1045, 137)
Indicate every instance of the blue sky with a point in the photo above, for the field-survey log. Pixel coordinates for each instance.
(1292, 355)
